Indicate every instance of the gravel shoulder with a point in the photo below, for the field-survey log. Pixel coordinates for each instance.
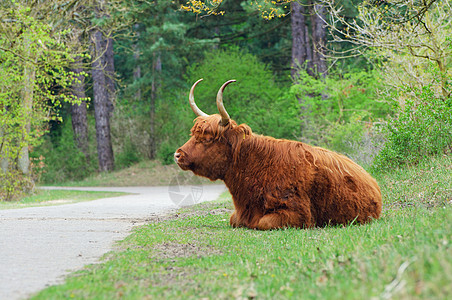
(40, 245)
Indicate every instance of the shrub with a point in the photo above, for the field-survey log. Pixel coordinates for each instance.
(254, 99)
(14, 184)
(135, 139)
(130, 133)
(165, 153)
(33, 85)
(60, 158)
(422, 128)
(339, 112)
(128, 155)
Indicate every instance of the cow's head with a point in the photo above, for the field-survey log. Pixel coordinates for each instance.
(209, 151)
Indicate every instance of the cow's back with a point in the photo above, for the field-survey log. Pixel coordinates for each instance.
(341, 191)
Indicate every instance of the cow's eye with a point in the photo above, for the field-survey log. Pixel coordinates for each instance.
(207, 141)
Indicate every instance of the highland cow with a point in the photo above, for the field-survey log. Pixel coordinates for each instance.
(277, 183)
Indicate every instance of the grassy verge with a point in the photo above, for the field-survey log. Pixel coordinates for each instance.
(145, 173)
(406, 254)
(56, 197)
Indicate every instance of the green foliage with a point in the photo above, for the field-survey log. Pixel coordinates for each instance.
(131, 128)
(418, 81)
(14, 184)
(151, 108)
(60, 159)
(128, 156)
(166, 152)
(255, 99)
(33, 82)
(339, 111)
(159, 58)
(175, 119)
(421, 128)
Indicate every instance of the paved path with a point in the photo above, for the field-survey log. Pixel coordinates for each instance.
(40, 245)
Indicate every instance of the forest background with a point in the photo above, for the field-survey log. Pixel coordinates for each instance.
(95, 85)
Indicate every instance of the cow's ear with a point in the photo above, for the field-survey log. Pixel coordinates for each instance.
(244, 131)
(237, 134)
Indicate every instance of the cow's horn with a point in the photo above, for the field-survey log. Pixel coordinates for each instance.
(224, 114)
(193, 106)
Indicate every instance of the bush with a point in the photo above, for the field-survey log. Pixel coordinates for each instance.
(339, 112)
(166, 153)
(130, 133)
(255, 99)
(60, 158)
(175, 118)
(14, 184)
(127, 156)
(422, 128)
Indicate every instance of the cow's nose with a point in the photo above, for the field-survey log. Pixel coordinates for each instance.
(177, 155)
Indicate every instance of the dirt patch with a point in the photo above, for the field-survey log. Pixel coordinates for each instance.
(171, 250)
(183, 277)
(176, 250)
(196, 213)
(422, 203)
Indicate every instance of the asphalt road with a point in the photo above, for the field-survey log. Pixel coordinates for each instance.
(40, 245)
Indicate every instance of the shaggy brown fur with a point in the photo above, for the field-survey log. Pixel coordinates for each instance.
(279, 183)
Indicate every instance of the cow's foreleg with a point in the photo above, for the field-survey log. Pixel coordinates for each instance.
(233, 220)
(284, 219)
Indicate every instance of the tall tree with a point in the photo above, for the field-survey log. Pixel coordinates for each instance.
(33, 82)
(318, 29)
(103, 84)
(307, 20)
(301, 47)
(308, 38)
(308, 45)
(156, 75)
(94, 25)
(29, 77)
(79, 110)
(108, 61)
(102, 108)
(151, 66)
(137, 68)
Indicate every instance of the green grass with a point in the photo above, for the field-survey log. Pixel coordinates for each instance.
(429, 183)
(406, 254)
(56, 197)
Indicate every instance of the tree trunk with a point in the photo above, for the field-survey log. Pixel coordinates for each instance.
(318, 39)
(23, 160)
(109, 70)
(303, 53)
(79, 111)
(300, 40)
(156, 69)
(137, 69)
(309, 51)
(4, 161)
(101, 105)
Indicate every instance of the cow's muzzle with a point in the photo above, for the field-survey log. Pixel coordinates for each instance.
(177, 156)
